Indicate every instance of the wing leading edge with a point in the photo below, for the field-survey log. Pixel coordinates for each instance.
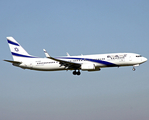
(67, 64)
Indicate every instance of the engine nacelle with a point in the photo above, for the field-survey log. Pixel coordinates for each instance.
(87, 67)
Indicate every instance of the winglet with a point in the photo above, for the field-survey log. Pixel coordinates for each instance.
(47, 55)
(67, 54)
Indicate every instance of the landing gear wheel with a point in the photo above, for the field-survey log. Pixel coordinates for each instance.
(133, 68)
(74, 72)
(78, 73)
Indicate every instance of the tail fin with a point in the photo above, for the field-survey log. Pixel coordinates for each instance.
(17, 50)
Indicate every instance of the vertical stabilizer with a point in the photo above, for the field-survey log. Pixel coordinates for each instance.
(17, 51)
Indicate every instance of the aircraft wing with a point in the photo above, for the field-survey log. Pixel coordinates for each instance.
(67, 64)
(16, 62)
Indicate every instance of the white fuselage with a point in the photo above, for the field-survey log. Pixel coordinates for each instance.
(97, 60)
(84, 62)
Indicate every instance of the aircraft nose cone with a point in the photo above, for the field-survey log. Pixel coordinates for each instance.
(144, 59)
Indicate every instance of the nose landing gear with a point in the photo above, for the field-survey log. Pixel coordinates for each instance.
(76, 72)
(133, 68)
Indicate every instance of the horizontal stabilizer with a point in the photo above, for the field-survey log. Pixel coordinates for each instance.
(17, 62)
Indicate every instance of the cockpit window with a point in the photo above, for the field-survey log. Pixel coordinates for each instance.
(138, 56)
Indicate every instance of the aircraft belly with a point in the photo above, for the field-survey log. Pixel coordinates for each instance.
(127, 63)
(48, 67)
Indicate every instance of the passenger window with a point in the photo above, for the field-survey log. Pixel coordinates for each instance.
(138, 56)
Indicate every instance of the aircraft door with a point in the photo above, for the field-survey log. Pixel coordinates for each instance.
(31, 65)
(130, 59)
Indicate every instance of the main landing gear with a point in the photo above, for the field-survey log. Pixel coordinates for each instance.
(76, 72)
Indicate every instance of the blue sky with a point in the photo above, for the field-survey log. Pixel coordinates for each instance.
(77, 27)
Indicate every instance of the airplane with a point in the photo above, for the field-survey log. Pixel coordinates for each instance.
(76, 63)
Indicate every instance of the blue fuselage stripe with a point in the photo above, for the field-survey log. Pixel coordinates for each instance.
(91, 60)
(13, 43)
(19, 55)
